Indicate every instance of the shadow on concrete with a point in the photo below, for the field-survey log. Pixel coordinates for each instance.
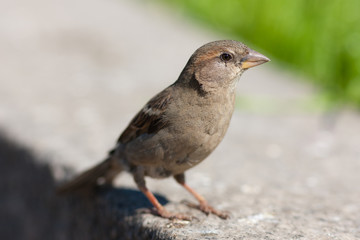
(129, 199)
(30, 209)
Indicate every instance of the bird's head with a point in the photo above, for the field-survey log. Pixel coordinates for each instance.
(219, 64)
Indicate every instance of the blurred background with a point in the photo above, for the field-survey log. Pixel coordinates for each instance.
(74, 72)
(317, 39)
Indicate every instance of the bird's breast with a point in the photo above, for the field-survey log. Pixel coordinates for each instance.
(196, 132)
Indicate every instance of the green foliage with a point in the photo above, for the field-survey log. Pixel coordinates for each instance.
(317, 37)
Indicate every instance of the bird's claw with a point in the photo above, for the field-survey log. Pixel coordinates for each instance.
(172, 216)
(207, 209)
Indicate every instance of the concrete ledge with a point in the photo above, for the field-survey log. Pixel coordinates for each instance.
(30, 210)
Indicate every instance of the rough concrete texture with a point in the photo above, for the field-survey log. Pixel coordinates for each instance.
(73, 73)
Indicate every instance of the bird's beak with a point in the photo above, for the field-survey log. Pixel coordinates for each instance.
(253, 59)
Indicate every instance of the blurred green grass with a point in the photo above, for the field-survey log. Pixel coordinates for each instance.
(318, 38)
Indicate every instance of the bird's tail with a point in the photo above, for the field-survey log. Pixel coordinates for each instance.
(105, 171)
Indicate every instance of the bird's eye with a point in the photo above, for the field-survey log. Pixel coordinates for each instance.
(226, 57)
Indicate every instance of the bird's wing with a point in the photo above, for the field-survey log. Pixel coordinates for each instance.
(150, 119)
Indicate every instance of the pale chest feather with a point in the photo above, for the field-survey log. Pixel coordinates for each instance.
(208, 115)
(209, 120)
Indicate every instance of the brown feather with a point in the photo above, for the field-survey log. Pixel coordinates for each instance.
(149, 119)
(88, 179)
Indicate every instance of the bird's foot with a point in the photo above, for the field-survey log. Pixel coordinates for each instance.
(207, 209)
(172, 216)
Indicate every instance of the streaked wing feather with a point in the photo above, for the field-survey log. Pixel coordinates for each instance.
(149, 119)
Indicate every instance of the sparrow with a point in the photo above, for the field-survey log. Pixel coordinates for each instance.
(180, 126)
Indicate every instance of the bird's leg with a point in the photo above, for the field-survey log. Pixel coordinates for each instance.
(160, 210)
(203, 204)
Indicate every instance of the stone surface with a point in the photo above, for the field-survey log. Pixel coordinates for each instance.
(74, 73)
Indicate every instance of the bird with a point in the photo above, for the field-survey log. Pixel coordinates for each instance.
(179, 127)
